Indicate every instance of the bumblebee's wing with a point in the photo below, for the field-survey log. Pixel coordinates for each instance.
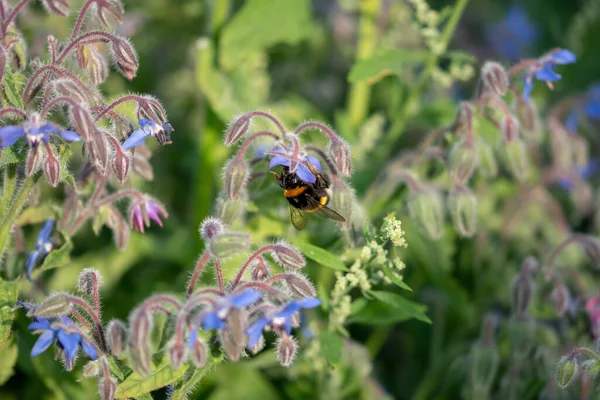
(297, 217)
(324, 211)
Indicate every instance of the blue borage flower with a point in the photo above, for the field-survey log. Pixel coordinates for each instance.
(282, 156)
(54, 329)
(217, 317)
(35, 131)
(513, 35)
(584, 172)
(591, 109)
(43, 246)
(543, 70)
(281, 320)
(148, 127)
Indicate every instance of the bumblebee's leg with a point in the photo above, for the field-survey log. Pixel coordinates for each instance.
(277, 178)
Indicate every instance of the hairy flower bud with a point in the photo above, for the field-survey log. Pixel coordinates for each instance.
(522, 288)
(286, 350)
(177, 354)
(287, 255)
(99, 152)
(88, 282)
(107, 388)
(485, 361)
(57, 7)
(560, 299)
(140, 326)
(51, 167)
(567, 370)
(231, 211)
(116, 335)
(516, 158)
(494, 76)
(530, 120)
(54, 306)
(487, 161)
(591, 367)
(211, 227)
(509, 128)
(341, 156)
(68, 88)
(463, 208)
(199, 353)
(227, 244)
(591, 246)
(91, 369)
(237, 129)
(33, 161)
(121, 164)
(124, 57)
(97, 66)
(426, 207)
(300, 285)
(259, 269)
(342, 201)
(233, 338)
(464, 159)
(463, 122)
(83, 122)
(236, 178)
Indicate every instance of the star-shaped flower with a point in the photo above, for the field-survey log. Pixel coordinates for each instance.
(35, 131)
(43, 246)
(284, 157)
(148, 127)
(544, 69)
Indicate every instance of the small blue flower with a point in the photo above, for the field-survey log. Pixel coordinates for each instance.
(513, 35)
(572, 122)
(544, 69)
(302, 171)
(35, 131)
(281, 320)
(592, 102)
(148, 128)
(43, 246)
(217, 318)
(68, 342)
(584, 172)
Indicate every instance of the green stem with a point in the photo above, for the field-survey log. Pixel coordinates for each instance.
(410, 106)
(360, 92)
(220, 12)
(15, 208)
(8, 188)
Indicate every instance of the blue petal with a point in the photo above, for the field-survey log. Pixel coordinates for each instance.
(572, 122)
(314, 161)
(70, 136)
(211, 321)
(67, 320)
(31, 260)
(70, 343)
(255, 331)
(308, 302)
(46, 128)
(288, 310)
(167, 127)
(27, 307)
(39, 325)
(565, 183)
(43, 342)
(146, 121)
(592, 110)
(46, 230)
(10, 134)
(589, 169)
(279, 160)
(247, 297)
(547, 74)
(563, 56)
(527, 88)
(193, 337)
(89, 350)
(137, 137)
(304, 173)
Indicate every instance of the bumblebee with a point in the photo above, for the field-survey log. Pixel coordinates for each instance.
(306, 197)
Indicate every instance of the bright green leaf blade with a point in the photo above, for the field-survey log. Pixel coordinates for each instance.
(331, 347)
(262, 23)
(12, 87)
(59, 257)
(183, 390)
(387, 271)
(37, 215)
(136, 385)
(389, 308)
(321, 256)
(8, 297)
(13, 154)
(392, 61)
(8, 355)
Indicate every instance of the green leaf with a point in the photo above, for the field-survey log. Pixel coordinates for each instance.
(331, 347)
(12, 84)
(8, 355)
(65, 174)
(392, 61)
(8, 297)
(262, 23)
(59, 257)
(137, 385)
(37, 215)
(183, 389)
(389, 308)
(387, 271)
(101, 218)
(321, 256)
(13, 155)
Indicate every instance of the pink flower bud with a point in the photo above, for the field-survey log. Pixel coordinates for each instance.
(287, 255)
(211, 227)
(51, 167)
(121, 164)
(107, 387)
(124, 57)
(57, 7)
(509, 128)
(198, 353)
(88, 282)
(116, 335)
(233, 338)
(140, 327)
(286, 350)
(83, 122)
(177, 354)
(237, 129)
(99, 152)
(560, 299)
(33, 161)
(236, 178)
(522, 289)
(341, 156)
(464, 118)
(68, 88)
(494, 76)
(97, 66)
(260, 269)
(300, 285)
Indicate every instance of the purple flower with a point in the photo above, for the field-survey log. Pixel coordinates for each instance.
(43, 246)
(35, 131)
(584, 172)
(544, 69)
(284, 157)
(513, 35)
(154, 211)
(51, 330)
(148, 127)
(592, 102)
(281, 320)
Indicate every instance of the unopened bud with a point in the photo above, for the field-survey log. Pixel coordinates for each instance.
(463, 207)
(231, 210)
(68, 88)
(286, 350)
(485, 361)
(51, 168)
(139, 351)
(233, 338)
(57, 7)
(124, 57)
(287, 255)
(342, 201)
(560, 299)
(177, 354)
(464, 159)
(97, 66)
(300, 285)
(566, 371)
(516, 158)
(33, 161)
(89, 281)
(99, 152)
(236, 178)
(121, 164)
(591, 367)
(463, 124)
(591, 246)
(54, 306)
(259, 269)
(237, 129)
(227, 244)
(426, 207)
(530, 120)
(210, 227)
(487, 161)
(522, 337)
(199, 353)
(83, 122)
(91, 369)
(522, 288)
(495, 78)
(107, 387)
(562, 150)
(116, 335)
(341, 156)
(509, 128)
